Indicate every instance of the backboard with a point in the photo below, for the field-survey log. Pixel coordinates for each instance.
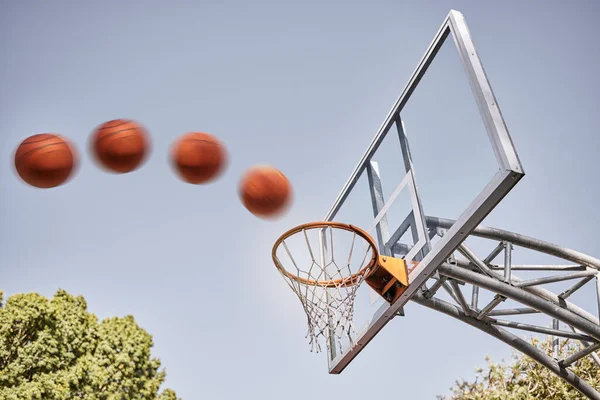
(395, 214)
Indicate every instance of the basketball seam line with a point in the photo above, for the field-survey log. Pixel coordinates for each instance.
(124, 122)
(201, 140)
(19, 159)
(108, 135)
(52, 136)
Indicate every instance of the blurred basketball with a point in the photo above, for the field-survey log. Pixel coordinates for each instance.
(198, 157)
(45, 160)
(120, 145)
(265, 191)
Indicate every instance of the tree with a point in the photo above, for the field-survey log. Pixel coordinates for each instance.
(53, 349)
(525, 379)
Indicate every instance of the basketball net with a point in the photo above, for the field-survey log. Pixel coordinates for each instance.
(325, 285)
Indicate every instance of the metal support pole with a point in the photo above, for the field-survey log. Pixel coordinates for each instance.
(540, 329)
(541, 267)
(555, 340)
(598, 292)
(507, 260)
(513, 311)
(475, 298)
(552, 279)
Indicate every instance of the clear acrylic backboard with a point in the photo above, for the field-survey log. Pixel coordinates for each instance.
(460, 164)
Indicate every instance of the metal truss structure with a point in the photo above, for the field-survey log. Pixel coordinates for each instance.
(481, 273)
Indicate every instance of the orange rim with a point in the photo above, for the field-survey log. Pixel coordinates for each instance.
(347, 281)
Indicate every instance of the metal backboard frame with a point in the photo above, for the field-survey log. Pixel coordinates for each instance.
(509, 173)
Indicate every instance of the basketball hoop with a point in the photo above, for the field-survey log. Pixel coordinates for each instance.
(327, 287)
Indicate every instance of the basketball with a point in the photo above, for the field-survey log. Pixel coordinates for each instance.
(45, 160)
(265, 191)
(198, 157)
(120, 145)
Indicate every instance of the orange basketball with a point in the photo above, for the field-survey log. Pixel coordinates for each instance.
(45, 160)
(265, 191)
(198, 157)
(120, 145)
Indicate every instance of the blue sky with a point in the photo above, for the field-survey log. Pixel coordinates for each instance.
(302, 86)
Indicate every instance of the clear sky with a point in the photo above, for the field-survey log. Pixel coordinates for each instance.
(301, 85)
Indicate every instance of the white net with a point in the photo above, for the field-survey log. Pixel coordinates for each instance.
(328, 265)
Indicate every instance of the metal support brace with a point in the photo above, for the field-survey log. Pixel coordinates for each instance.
(492, 304)
(434, 288)
(449, 290)
(585, 344)
(575, 287)
(497, 250)
(465, 251)
(577, 356)
(460, 297)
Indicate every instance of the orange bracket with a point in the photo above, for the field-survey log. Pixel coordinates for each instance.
(389, 278)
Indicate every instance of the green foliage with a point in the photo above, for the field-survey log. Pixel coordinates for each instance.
(53, 349)
(525, 379)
